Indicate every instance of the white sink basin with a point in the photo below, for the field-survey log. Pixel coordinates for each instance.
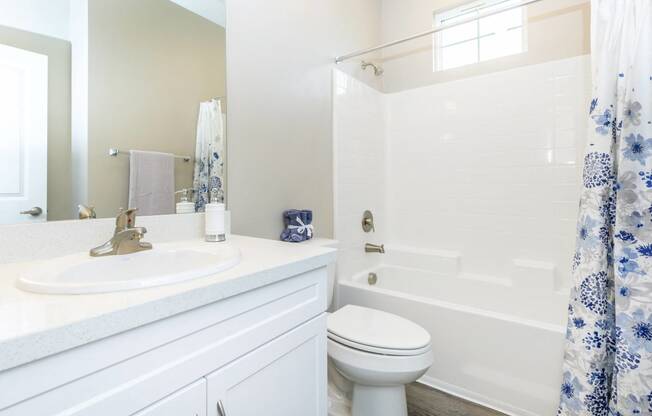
(163, 265)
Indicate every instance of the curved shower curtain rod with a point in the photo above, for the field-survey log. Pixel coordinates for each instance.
(343, 58)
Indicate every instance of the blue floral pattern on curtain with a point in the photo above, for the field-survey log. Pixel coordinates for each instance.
(209, 152)
(608, 358)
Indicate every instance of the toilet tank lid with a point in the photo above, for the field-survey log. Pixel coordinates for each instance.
(376, 328)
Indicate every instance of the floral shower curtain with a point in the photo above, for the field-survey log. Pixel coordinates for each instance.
(608, 358)
(209, 152)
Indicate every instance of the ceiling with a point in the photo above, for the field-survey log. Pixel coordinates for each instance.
(213, 10)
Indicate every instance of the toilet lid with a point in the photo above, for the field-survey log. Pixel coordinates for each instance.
(376, 329)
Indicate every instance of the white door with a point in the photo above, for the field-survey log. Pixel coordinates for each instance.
(23, 135)
(286, 377)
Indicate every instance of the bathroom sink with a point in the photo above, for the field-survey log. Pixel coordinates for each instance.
(165, 264)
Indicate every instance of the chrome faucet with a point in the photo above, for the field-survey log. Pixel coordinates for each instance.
(374, 248)
(126, 237)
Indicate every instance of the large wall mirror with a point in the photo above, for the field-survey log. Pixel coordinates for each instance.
(109, 104)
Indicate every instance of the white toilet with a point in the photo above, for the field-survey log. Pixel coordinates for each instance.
(378, 353)
(372, 356)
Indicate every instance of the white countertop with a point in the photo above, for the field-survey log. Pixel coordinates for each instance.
(33, 326)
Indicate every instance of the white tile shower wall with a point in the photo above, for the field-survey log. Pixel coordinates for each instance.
(489, 167)
(360, 169)
(443, 261)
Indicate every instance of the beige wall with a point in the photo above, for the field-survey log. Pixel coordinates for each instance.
(151, 62)
(58, 53)
(279, 61)
(556, 29)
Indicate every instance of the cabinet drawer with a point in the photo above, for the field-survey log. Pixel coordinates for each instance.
(189, 401)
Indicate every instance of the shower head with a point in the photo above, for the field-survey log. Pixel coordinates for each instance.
(378, 71)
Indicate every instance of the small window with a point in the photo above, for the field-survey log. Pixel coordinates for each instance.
(482, 39)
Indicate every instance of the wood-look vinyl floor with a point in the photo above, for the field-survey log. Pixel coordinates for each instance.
(423, 400)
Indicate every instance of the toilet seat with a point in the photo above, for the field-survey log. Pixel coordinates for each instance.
(377, 332)
(376, 350)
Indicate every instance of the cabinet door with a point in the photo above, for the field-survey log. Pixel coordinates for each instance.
(285, 377)
(189, 401)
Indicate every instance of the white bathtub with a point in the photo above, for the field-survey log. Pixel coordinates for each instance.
(493, 344)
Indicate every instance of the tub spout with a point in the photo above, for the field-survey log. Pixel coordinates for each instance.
(374, 248)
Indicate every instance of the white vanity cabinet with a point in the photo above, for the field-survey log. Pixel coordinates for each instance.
(281, 378)
(262, 352)
(189, 401)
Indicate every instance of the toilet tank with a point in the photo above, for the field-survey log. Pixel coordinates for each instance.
(331, 268)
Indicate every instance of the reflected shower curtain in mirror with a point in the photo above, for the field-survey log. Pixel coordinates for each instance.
(209, 152)
(608, 359)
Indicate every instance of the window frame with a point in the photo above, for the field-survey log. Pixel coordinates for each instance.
(437, 56)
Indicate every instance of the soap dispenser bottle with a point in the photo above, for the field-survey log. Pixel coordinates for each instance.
(184, 206)
(215, 216)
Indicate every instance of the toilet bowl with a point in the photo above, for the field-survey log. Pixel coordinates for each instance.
(378, 353)
(372, 355)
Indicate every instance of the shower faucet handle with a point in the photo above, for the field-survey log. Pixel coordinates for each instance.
(368, 222)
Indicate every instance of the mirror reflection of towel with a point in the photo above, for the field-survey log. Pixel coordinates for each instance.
(151, 182)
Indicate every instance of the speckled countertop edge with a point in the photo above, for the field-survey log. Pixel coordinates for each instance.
(163, 302)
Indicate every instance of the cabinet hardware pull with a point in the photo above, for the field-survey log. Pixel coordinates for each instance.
(220, 408)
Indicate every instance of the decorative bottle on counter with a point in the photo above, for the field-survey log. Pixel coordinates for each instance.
(215, 216)
(184, 206)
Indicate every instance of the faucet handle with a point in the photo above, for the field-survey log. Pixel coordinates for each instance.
(125, 219)
(368, 222)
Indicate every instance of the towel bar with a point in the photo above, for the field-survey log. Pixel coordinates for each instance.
(115, 152)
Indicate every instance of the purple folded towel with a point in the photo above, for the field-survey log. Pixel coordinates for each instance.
(298, 225)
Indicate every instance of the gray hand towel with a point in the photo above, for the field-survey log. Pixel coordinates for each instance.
(151, 182)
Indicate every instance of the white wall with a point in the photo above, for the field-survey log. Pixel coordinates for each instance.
(360, 169)
(47, 17)
(487, 167)
(79, 103)
(279, 60)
